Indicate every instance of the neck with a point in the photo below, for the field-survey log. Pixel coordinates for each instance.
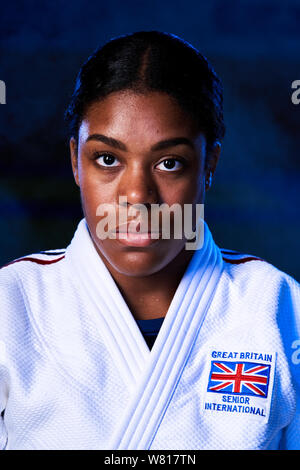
(150, 296)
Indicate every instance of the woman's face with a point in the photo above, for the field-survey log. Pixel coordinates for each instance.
(145, 148)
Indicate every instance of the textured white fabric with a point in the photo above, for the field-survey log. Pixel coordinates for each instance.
(76, 372)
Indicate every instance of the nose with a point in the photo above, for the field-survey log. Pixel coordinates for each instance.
(138, 186)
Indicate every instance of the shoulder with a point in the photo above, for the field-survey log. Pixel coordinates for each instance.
(24, 280)
(245, 264)
(254, 276)
(236, 257)
(46, 257)
(42, 258)
(29, 267)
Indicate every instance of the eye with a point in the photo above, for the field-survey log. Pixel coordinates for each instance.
(170, 164)
(106, 160)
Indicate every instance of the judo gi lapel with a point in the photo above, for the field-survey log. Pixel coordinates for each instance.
(171, 349)
(151, 377)
(110, 311)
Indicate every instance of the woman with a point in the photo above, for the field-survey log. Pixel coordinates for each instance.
(127, 339)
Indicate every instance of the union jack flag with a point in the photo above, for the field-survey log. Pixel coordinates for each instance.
(239, 378)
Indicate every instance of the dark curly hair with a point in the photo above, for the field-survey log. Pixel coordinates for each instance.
(151, 61)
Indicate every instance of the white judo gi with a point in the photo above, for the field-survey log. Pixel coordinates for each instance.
(76, 372)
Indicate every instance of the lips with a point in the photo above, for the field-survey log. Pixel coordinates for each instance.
(128, 229)
(126, 236)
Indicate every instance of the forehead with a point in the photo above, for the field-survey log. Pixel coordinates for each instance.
(131, 117)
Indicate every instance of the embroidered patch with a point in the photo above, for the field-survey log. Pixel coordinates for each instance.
(240, 382)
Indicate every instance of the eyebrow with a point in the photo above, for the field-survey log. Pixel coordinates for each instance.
(164, 144)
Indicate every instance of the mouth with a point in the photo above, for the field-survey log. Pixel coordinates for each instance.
(135, 238)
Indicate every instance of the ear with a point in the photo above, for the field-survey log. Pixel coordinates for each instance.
(74, 159)
(212, 159)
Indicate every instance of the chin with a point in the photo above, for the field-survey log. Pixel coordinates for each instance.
(136, 264)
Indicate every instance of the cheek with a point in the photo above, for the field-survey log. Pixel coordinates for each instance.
(94, 194)
(93, 190)
(189, 191)
(90, 196)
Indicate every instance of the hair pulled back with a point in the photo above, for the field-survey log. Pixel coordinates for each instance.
(151, 61)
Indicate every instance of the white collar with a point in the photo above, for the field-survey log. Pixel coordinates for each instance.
(150, 375)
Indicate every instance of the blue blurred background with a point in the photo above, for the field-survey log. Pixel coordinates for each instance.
(254, 45)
